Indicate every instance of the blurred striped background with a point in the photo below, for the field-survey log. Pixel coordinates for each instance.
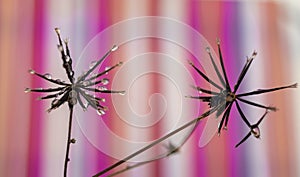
(32, 142)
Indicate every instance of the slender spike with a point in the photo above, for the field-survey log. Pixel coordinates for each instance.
(202, 98)
(81, 102)
(242, 114)
(104, 72)
(91, 100)
(260, 91)
(48, 96)
(216, 68)
(257, 105)
(50, 79)
(244, 71)
(114, 48)
(103, 91)
(205, 77)
(57, 103)
(227, 116)
(205, 90)
(243, 140)
(260, 120)
(44, 90)
(66, 41)
(222, 65)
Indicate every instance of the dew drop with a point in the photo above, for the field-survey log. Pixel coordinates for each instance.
(48, 76)
(106, 69)
(54, 102)
(114, 48)
(66, 40)
(73, 140)
(122, 93)
(102, 99)
(31, 71)
(105, 81)
(100, 112)
(207, 49)
(60, 48)
(68, 59)
(27, 90)
(57, 30)
(102, 88)
(86, 83)
(256, 132)
(92, 64)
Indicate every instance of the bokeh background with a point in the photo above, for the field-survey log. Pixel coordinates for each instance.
(32, 141)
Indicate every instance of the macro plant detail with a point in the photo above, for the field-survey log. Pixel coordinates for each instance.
(220, 102)
(81, 90)
(228, 96)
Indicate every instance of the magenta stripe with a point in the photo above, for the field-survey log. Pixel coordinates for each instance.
(36, 119)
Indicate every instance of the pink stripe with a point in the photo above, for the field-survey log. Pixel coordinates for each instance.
(36, 121)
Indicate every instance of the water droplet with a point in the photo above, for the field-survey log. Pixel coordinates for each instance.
(102, 88)
(27, 90)
(31, 71)
(66, 40)
(92, 64)
(122, 93)
(256, 132)
(54, 102)
(102, 99)
(107, 68)
(100, 112)
(68, 59)
(57, 30)
(60, 48)
(105, 81)
(114, 48)
(73, 140)
(48, 76)
(86, 83)
(208, 49)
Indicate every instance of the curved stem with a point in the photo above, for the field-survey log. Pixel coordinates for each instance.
(192, 122)
(67, 159)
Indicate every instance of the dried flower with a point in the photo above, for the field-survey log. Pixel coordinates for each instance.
(226, 96)
(76, 91)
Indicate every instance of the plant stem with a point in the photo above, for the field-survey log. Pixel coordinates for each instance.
(67, 159)
(207, 113)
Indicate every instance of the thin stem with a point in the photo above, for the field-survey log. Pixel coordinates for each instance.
(67, 159)
(196, 120)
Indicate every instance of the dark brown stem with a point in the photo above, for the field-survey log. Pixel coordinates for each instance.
(192, 122)
(67, 159)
